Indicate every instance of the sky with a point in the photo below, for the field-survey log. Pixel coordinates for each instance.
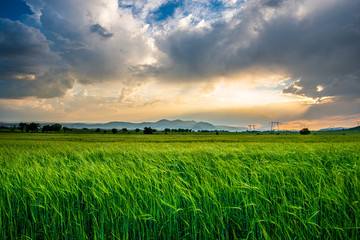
(229, 62)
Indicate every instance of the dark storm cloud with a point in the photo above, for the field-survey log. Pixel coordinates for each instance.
(22, 47)
(78, 30)
(273, 3)
(313, 43)
(341, 106)
(97, 28)
(63, 48)
(319, 48)
(223, 49)
(27, 65)
(93, 66)
(51, 84)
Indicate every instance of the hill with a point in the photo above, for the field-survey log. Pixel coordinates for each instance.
(355, 128)
(333, 129)
(159, 125)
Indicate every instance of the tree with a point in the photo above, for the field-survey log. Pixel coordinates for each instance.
(304, 131)
(114, 130)
(137, 130)
(105, 131)
(56, 127)
(22, 126)
(148, 130)
(52, 128)
(97, 130)
(32, 127)
(45, 128)
(124, 129)
(167, 130)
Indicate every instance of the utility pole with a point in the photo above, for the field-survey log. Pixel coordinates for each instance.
(275, 125)
(252, 127)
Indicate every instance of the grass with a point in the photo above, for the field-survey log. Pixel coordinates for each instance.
(194, 186)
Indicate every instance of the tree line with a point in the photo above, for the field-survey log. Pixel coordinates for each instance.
(36, 127)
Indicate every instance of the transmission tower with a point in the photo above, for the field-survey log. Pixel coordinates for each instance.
(275, 125)
(252, 127)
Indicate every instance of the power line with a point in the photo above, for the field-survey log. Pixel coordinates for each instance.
(275, 125)
(252, 127)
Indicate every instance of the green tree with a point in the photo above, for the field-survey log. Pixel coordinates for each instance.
(52, 128)
(56, 127)
(304, 131)
(148, 130)
(22, 126)
(114, 130)
(33, 127)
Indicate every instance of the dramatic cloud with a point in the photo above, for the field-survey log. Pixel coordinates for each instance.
(105, 56)
(317, 46)
(27, 65)
(170, 54)
(96, 28)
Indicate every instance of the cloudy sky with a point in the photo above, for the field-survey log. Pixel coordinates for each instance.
(222, 61)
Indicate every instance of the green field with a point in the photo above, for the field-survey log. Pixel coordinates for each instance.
(194, 186)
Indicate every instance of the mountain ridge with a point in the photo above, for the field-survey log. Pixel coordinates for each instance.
(159, 125)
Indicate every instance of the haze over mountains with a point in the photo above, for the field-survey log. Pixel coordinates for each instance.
(162, 124)
(159, 125)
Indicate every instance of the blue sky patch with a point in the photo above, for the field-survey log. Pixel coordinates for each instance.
(167, 10)
(13, 9)
(216, 5)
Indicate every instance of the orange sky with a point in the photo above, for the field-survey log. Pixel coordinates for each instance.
(225, 62)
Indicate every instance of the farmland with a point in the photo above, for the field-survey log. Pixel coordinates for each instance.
(194, 186)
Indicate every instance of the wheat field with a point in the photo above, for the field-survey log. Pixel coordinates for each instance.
(195, 186)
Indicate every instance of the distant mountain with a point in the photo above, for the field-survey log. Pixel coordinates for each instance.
(355, 128)
(9, 125)
(204, 126)
(332, 129)
(159, 125)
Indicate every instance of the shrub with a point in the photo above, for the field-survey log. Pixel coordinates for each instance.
(304, 131)
(148, 130)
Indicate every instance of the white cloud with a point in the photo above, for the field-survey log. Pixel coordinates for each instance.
(124, 57)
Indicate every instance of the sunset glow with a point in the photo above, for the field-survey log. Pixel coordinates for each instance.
(223, 62)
